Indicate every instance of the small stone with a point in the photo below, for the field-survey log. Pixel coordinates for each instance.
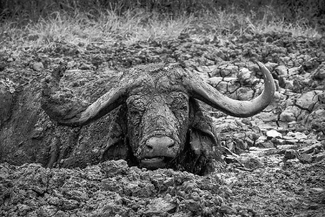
(319, 157)
(305, 158)
(289, 84)
(273, 134)
(319, 72)
(267, 144)
(270, 65)
(245, 93)
(308, 99)
(261, 139)
(287, 116)
(227, 209)
(85, 66)
(71, 64)
(297, 135)
(192, 205)
(159, 206)
(38, 66)
(282, 70)
(294, 71)
(290, 154)
(251, 162)
(244, 74)
(214, 81)
(317, 190)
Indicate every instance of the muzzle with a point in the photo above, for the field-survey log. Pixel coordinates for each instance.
(158, 152)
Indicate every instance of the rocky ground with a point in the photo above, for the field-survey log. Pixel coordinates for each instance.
(276, 159)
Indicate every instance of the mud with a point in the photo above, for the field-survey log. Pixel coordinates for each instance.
(275, 159)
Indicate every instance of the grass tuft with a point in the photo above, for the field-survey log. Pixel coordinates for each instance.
(106, 28)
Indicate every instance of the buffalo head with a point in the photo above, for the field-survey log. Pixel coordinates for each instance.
(162, 117)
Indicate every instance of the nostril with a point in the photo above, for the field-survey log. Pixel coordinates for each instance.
(159, 144)
(171, 145)
(149, 146)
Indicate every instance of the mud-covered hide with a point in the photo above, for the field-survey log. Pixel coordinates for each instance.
(107, 139)
(160, 115)
(119, 134)
(27, 135)
(101, 140)
(31, 136)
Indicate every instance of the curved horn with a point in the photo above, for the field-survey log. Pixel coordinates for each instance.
(206, 93)
(76, 113)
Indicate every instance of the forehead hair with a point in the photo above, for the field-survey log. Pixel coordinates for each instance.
(158, 79)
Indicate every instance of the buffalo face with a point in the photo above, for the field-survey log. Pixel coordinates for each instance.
(157, 124)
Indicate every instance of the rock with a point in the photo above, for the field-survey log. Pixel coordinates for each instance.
(271, 65)
(312, 149)
(251, 162)
(294, 71)
(318, 157)
(262, 142)
(316, 120)
(71, 64)
(214, 81)
(203, 69)
(85, 66)
(159, 206)
(305, 158)
(279, 97)
(273, 134)
(228, 70)
(289, 114)
(317, 190)
(244, 74)
(282, 70)
(289, 154)
(288, 84)
(319, 73)
(227, 210)
(268, 117)
(297, 135)
(38, 66)
(244, 93)
(308, 100)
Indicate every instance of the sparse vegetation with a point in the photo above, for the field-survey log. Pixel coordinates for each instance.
(73, 25)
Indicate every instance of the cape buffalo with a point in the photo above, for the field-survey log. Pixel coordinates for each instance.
(163, 124)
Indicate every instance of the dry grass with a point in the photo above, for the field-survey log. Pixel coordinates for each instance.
(107, 27)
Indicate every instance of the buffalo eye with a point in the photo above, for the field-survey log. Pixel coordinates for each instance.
(135, 111)
(179, 105)
(135, 116)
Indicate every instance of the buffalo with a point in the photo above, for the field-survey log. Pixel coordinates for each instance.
(161, 122)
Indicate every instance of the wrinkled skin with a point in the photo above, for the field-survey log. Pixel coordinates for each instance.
(160, 123)
(157, 116)
(158, 119)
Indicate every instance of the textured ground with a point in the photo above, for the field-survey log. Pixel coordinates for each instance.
(276, 159)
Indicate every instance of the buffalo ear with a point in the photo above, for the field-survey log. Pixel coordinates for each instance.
(203, 137)
(117, 144)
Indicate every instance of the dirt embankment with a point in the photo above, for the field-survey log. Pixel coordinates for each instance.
(276, 158)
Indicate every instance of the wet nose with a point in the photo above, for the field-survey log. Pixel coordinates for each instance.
(160, 145)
